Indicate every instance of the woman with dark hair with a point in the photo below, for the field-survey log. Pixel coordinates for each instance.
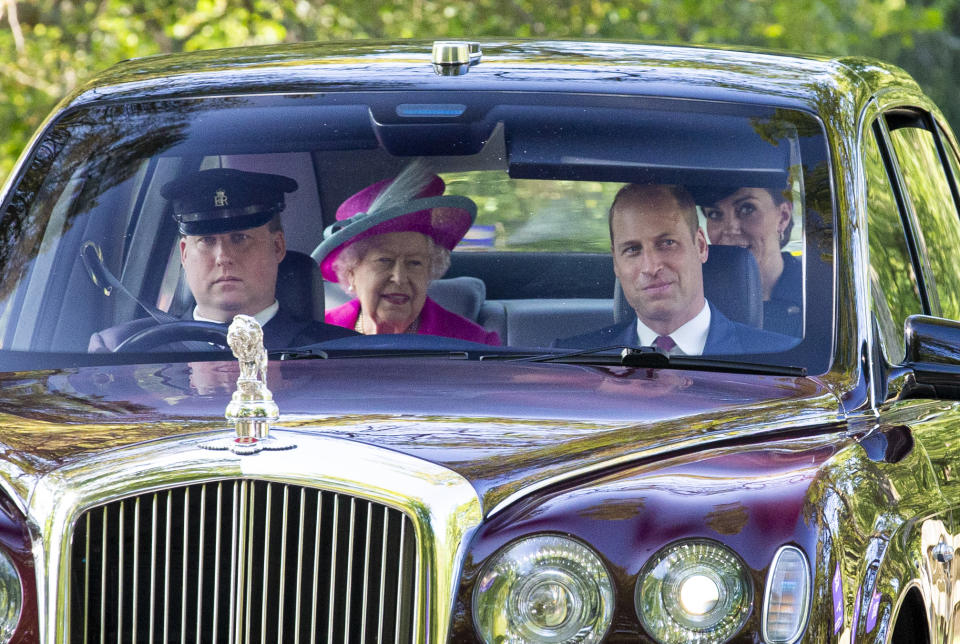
(761, 219)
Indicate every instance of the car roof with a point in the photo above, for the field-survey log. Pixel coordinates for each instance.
(591, 67)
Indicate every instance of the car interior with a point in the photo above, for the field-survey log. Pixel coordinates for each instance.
(535, 267)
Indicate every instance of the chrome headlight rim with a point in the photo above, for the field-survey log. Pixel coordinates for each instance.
(539, 543)
(729, 623)
(768, 589)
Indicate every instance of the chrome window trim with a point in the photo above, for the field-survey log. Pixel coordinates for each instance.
(442, 505)
(861, 261)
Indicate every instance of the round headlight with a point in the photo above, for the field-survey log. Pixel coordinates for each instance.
(694, 591)
(543, 589)
(11, 597)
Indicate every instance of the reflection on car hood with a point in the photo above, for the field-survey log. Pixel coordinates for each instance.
(503, 426)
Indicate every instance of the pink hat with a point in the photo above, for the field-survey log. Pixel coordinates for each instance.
(444, 219)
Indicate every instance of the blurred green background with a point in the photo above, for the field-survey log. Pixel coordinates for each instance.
(51, 46)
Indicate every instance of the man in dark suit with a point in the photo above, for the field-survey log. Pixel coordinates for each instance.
(231, 243)
(658, 255)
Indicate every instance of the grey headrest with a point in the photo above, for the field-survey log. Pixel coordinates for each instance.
(461, 295)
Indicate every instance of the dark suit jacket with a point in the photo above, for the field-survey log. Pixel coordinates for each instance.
(783, 312)
(283, 330)
(723, 337)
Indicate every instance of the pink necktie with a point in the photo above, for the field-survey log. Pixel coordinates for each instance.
(665, 343)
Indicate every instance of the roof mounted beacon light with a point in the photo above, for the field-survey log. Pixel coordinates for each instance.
(454, 58)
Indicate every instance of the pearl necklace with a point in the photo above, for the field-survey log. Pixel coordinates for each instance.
(358, 327)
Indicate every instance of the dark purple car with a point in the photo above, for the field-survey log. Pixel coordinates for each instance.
(520, 463)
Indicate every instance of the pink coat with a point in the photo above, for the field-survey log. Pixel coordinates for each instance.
(434, 320)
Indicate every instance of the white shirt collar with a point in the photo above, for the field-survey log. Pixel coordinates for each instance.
(690, 338)
(262, 317)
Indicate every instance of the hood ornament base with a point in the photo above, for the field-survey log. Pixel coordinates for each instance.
(251, 407)
(244, 445)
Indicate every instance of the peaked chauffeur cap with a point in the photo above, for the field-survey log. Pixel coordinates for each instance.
(219, 200)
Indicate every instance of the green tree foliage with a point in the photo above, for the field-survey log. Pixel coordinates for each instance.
(50, 46)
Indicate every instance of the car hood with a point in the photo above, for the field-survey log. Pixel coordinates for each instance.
(506, 427)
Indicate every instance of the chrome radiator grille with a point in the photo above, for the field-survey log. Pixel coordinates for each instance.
(243, 561)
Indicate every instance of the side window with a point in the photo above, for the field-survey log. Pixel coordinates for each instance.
(926, 182)
(893, 280)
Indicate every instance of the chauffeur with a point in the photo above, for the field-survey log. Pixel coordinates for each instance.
(231, 244)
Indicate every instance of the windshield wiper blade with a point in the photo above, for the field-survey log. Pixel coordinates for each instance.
(300, 354)
(654, 358)
(644, 357)
(307, 354)
(603, 355)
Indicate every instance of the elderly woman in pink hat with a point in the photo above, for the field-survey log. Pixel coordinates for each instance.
(390, 241)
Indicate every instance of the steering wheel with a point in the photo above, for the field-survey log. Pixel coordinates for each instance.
(178, 331)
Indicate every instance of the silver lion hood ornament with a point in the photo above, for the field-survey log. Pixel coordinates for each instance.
(251, 407)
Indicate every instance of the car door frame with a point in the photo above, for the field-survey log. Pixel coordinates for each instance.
(946, 614)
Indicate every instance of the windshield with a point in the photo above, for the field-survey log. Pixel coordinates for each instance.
(101, 236)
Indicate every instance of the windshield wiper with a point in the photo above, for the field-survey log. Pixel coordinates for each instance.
(299, 354)
(603, 355)
(654, 358)
(309, 354)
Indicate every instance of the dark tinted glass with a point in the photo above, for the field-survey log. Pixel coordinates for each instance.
(935, 209)
(893, 280)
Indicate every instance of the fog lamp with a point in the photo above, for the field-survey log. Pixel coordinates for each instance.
(543, 589)
(11, 597)
(694, 591)
(787, 597)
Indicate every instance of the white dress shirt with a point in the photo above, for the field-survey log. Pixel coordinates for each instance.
(689, 338)
(262, 317)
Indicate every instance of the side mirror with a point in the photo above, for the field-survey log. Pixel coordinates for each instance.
(933, 353)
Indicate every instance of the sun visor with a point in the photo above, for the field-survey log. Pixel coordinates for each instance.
(237, 126)
(648, 146)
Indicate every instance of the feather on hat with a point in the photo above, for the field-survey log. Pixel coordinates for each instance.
(413, 201)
